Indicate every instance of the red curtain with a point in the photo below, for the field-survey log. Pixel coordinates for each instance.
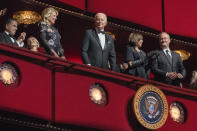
(144, 12)
(180, 18)
(179, 15)
(76, 3)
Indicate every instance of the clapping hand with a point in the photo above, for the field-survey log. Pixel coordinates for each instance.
(21, 38)
(2, 12)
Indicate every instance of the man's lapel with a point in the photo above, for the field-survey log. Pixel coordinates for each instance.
(173, 57)
(96, 37)
(8, 38)
(107, 41)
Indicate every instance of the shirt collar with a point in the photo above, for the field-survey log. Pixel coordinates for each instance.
(97, 30)
(7, 33)
(164, 50)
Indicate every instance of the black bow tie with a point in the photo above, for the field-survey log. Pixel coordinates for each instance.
(103, 32)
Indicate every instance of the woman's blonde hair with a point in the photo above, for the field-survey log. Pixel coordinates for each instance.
(47, 12)
(193, 82)
(135, 38)
(29, 46)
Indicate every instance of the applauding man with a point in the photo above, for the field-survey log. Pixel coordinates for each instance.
(8, 35)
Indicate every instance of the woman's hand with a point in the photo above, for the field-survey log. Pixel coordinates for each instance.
(124, 66)
(63, 57)
(21, 38)
(54, 53)
(130, 64)
(2, 12)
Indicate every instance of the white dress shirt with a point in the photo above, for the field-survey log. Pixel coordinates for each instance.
(102, 39)
(169, 52)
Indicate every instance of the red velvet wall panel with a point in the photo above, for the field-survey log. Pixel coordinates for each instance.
(180, 17)
(76, 3)
(73, 104)
(144, 12)
(69, 101)
(189, 124)
(33, 95)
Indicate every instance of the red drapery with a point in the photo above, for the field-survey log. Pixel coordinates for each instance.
(180, 17)
(147, 13)
(76, 3)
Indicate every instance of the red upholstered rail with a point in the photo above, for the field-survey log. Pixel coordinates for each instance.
(58, 91)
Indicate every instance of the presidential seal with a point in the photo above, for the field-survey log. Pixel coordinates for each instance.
(150, 107)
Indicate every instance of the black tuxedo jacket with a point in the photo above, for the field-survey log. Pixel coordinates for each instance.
(92, 52)
(6, 38)
(162, 65)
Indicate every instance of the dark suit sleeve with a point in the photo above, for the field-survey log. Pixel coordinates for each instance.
(155, 69)
(130, 57)
(139, 61)
(150, 57)
(84, 48)
(2, 39)
(112, 57)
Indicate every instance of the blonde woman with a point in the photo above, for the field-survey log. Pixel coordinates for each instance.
(135, 57)
(33, 44)
(193, 82)
(49, 35)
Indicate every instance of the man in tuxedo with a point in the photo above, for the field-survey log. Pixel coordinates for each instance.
(8, 35)
(168, 66)
(97, 46)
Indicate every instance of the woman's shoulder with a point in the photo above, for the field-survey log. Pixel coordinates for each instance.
(43, 26)
(43, 23)
(47, 28)
(130, 49)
